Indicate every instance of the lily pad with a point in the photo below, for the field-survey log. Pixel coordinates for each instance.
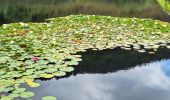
(67, 69)
(2, 89)
(33, 84)
(19, 90)
(6, 98)
(46, 75)
(14, 95)
(71, 63)
(26, 94)
(49, 98)
(59, 73)
(2, 72)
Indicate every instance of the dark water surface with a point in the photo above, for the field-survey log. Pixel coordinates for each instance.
(38, 10)
(113, 75)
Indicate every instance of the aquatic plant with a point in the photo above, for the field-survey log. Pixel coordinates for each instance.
(49, 98)
(165, 4)
(45, 50)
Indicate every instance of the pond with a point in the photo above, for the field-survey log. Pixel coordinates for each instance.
(83, 55)
(38, 10)
(112, 75)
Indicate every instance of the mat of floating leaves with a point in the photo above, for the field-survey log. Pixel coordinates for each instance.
(45, 50)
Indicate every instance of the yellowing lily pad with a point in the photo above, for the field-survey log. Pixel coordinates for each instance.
(47, 75)
(33, 84)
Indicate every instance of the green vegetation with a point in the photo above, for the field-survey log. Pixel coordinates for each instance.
(49, 98)
(38, 10)
(45, 50)
(165, 4)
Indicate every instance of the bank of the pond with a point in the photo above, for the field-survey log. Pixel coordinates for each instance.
(45, 50)
(38, 10)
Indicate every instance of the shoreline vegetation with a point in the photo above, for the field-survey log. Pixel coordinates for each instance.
(165, 4)
(29, 51)
(37, 11)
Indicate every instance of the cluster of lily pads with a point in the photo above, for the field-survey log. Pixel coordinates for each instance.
(29, 51)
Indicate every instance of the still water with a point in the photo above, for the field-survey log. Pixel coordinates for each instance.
(38, 10)
(113, 75)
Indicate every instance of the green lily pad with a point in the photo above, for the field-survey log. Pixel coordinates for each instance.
(2, 72)
(49, 98)
(51, 70)
(6, 98)
(66, 69)
(59, 73)
(3, 59)
(42, 62)
(29, 62)
(19, 90)
(7, 89)
(14, 95)
(26, 94)
(2, 89)
(71, 63)
(77, 59)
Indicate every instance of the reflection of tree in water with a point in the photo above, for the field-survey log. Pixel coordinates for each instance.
(113, 60)
(165, 4)
(17, 13)
(38, 10)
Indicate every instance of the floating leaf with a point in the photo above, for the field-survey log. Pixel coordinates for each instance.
(6, 98)
(47, 75)
(19, 90)
(59, 73)
(26, 94)
(67, 69)
(51, 70)
(33, 84)
(71, 63)
(2, 89)
(49, 98)
(14, 95)
(2, 72)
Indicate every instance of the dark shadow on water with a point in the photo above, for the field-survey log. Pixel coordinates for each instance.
(107, 61)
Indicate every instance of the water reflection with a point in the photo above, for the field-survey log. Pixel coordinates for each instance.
(165, 4)
(117, 59)
(166, 68)
(38, 10)
(144, 82)
(113, 75)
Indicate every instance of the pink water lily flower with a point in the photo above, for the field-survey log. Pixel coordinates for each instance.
(35, 59)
